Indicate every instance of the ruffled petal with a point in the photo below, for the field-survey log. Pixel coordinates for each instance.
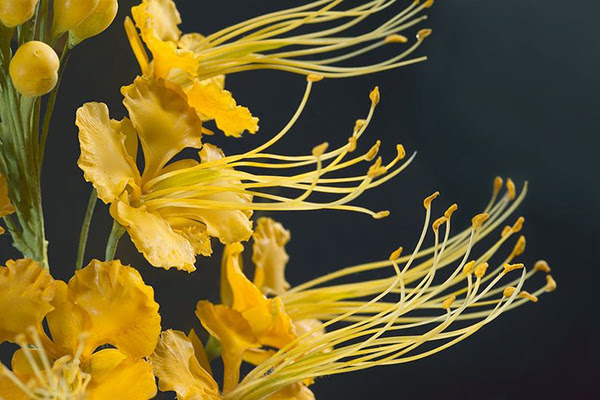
(269, 256)
(121, 307)
(165, 19)
(211, 101)
(267, 317)
(154, 237)
(178, 369)
(114, 376)
(234, 333)
(163, 120)
(104, 159)
(66, 322)
(157, 34)
(26, 291)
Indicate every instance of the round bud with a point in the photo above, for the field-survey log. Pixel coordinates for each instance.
(70, 13)
(15, 12)
(34, 69)
(102, 16)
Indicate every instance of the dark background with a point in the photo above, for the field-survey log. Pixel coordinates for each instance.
(510, 89)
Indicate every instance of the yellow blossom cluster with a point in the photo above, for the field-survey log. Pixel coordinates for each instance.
(99, 335)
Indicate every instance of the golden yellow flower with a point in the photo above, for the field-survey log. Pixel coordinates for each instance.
(375, 321)
(198, 64)
(6, 206)
(180, 367)
(173, 208)
(105, 303)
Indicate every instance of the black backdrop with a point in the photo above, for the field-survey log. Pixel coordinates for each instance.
(510, 89)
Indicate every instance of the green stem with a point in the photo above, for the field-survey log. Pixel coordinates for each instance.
(113, 240)
(64, 60)
(85, 228)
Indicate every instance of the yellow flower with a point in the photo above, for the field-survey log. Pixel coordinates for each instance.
(6, 206)
(388, 321)
(173, 208)
(157, 21)
(180, 364)
(105, 303)
(373, 322)
(198, 64)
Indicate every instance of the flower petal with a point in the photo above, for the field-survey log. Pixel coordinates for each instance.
(267, 317)
(104, 159)
(234, 333)
(114, 376)
(121, 307)
(164, 122)
(154, 237)
(269, 256)
(211, 101)
(178, 369)
(165, 19)
(158, 33)
(26, 290)
(66, 322)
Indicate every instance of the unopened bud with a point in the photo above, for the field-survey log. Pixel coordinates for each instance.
(16, 12)
(95, 23)
(68, 14)
(34, 69)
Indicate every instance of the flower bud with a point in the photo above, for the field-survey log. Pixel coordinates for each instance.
(95, 23)
(15, 12)
(70, 13)
(34, 69)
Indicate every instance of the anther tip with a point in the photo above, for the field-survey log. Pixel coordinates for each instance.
(468, 268)
(429, 199)
(381, 214)
(446, 304)
(401, 152)
(451, 210)
(542, 265)
(373, 151)
(396, 254)
(508, 291)
(423, 33)
(314, 77)
(375, 96)
(512, 190)
(526, 295)
(550, 284)
(319, 150)
(351, 144)
(518, 224)
(438, 222)
(481, 269)
(519, 247)
(498, 181)
(479, 219)
(512, 267)
(395, 38)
